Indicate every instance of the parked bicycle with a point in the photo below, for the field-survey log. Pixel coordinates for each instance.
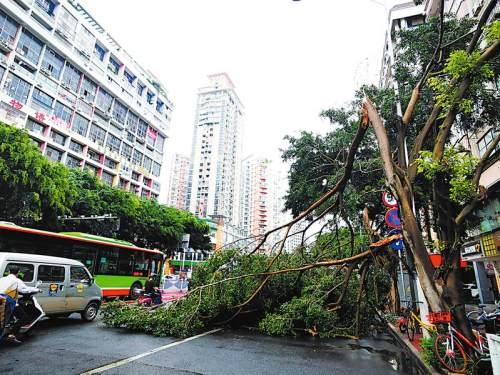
(450, 347)
(481, 319)
(411, 324)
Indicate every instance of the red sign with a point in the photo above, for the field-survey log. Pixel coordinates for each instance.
(389, 200)
(16, 104)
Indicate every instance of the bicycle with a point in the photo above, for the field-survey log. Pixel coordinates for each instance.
(449, 347)
(480, 318)
(411, 324)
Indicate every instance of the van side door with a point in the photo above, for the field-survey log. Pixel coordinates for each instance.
(53, 286)
(77, 292)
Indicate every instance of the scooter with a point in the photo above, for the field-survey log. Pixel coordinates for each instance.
(27, 314)
(146, 299)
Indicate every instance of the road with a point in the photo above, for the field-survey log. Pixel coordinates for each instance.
(70, 346)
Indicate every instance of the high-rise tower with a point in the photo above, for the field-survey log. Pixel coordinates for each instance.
(214, 177)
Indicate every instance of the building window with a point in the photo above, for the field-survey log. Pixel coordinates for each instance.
(53, 154)
(142, 129)
(58, 137)
(73, 162)
(104, 100)
(52, 63)
(113, 143)
(151, 136)
(113, 65)
(110, 163)
(97, 134)
(91, 169)
(63, 112)
(126, 151)
(150, 97)
(160, 106)
(137, 158)
(156, 186)
(76, 147)
(2, 71)
(156, 169)
(160, 140)
(144, 194)
(485, 142)
(140, 89)
(135, 176)
(107, 178)
(147, 163)
(129, 76)
(35, 127)
(42, 99)
(88, 90)
(29, 47)
(17, 88)
(66, 23)
(119, 112)
(122, 184)
(93, 155)
(71, 77)
(80, 125)
(8, 28)
(47, 6)
(130, 137)
(132, 121)
(99, 52)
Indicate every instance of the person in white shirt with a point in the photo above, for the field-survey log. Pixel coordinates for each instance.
(10, 286)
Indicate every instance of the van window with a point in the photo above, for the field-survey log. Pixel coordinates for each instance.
(26, 271)
(79, 275)
(50, 273)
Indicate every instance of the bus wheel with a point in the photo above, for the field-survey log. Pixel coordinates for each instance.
(90, 311)
(134, 294)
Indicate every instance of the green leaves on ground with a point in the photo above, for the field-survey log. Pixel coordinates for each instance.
(289, 304)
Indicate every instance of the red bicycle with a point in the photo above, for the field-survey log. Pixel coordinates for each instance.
(449, 347)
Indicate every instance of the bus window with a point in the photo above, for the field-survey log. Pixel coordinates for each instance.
(86, 255)
(141, 265)
(108, 261)
(126, 262)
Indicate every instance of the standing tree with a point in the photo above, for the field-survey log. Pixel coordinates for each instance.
(33, 190)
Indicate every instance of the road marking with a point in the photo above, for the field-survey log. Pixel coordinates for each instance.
(152, 351)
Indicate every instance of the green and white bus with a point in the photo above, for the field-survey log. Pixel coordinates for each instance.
(119, 267)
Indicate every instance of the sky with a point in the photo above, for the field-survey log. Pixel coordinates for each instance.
(289, 60)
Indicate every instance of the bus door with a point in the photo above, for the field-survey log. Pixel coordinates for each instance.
(53, 296)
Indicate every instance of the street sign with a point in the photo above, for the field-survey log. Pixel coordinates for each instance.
(389, 200)
(398, 244)
(392, 218)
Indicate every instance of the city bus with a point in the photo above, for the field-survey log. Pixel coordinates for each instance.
(118, 266)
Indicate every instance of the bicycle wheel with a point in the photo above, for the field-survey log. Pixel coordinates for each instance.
(453, 360)
(411, 329)
(402, 325)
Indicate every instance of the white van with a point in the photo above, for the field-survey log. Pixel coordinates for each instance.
(67, 286)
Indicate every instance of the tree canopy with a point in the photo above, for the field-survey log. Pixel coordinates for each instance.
(37, 192)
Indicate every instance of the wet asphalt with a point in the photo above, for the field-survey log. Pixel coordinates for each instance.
(71, 346)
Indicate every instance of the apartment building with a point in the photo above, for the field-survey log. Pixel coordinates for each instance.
(214, 177)
(178, 182)
(82, 98)
(254, 197)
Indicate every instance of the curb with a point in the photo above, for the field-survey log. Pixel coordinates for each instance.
(423, 368)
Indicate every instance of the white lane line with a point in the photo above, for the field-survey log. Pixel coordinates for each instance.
(152, 351)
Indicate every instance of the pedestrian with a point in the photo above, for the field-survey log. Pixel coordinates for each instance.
(152, 289)
(10, 286)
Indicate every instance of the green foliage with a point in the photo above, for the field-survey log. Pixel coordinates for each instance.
(492, 32)
(428, 353)
(144, 222)
(458, 168)
(33, 190)
(288, 304)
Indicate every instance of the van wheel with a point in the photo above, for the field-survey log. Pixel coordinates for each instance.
(133, 294)
(90, 312)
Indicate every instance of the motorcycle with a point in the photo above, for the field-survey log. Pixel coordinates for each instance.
(146, 299)
(27, 314)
